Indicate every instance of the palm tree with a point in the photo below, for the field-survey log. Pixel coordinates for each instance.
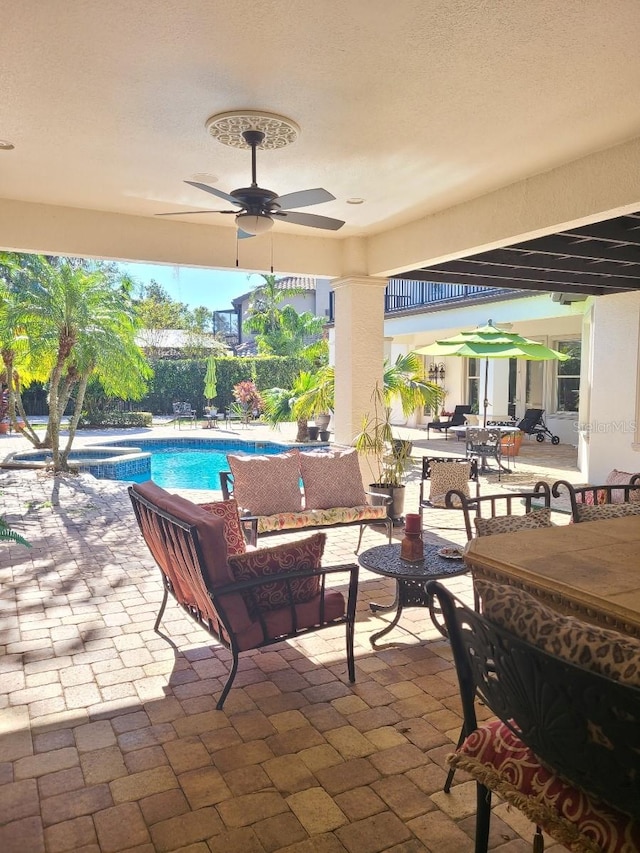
(280, 404)
(280, 329)
(314, 393)
(78, 324)
(404, 380)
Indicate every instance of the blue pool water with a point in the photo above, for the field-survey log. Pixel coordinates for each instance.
(192, 463)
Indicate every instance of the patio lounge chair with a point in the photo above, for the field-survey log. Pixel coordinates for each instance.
(457, 419)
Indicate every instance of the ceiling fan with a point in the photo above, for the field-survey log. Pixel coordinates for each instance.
(258, 208)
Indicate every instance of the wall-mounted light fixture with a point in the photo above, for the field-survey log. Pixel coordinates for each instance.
(436, 372)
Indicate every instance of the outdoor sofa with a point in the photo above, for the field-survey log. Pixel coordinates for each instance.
(294, 491)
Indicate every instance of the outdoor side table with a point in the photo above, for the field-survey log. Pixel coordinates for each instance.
(411, 581)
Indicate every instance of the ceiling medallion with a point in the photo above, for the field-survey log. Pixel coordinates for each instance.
(227, 128)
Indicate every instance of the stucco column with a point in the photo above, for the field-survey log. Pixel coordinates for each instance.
(610, 392)
(359, 350)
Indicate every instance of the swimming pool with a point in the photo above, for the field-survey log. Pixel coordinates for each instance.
(191, 463)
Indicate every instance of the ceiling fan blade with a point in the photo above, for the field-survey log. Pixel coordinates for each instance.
(242, 235)
(303, 198)
(191, 212)
(310, 219)
(214, 191)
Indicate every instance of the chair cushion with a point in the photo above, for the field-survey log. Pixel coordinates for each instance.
(599, 649)
(228, 512)
(215, 571)
(497, 758)
(601, 511)
(331, 480)
(513, 523)
(263, 485)
(446, 476)
(292, 556)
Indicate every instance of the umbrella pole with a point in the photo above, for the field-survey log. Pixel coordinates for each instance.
(486, 386)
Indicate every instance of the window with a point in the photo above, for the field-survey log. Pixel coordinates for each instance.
(473, 384)
(568, 377)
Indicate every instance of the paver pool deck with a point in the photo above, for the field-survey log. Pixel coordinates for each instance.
(109, 740)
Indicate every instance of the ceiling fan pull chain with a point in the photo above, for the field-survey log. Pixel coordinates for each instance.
(271, 235)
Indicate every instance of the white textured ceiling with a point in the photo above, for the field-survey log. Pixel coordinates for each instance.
(413, 105)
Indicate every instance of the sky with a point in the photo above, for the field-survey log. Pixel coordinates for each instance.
(212, 288)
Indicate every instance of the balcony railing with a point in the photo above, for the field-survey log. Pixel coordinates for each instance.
(402, 295)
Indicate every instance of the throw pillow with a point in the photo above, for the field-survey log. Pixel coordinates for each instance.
(332, 480)
(228, 512)
(599, 649)
(266, 485)
(303, 554)
(513, 523)
(603, 511)
(446, 476)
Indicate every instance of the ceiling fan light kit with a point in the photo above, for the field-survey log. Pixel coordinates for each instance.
(254, 223)
(258, 206)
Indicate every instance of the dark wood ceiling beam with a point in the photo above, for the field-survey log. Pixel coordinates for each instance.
(510, 284)
(554, 277)
(556, 244)
(536, 260)
(623, 229)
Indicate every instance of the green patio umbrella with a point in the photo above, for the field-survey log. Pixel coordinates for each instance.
(210, 379)
(491, 342)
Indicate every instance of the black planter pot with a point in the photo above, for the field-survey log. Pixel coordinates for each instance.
(395, 508)
(324, 435)
(313, 432)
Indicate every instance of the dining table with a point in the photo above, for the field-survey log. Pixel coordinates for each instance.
(590, 570)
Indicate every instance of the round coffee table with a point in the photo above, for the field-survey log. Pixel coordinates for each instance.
(411, 581)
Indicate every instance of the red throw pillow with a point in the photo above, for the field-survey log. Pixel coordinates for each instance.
(303, 554)
(228, 512)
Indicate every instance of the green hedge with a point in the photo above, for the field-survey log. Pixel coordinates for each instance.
(117, 419)
(183, 380)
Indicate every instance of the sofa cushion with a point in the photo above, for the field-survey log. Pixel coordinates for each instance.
(331, 480)
(513, 523)
(228, 512)
(599, 512)
(317, 517)
(292, 556)
(600, 649)
(263, 485)
(496, 757)
(446, 476)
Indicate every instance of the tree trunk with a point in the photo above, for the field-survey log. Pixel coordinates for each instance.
(73, 423)
(303, 430)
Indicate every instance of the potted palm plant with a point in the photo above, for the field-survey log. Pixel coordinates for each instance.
(386, 456)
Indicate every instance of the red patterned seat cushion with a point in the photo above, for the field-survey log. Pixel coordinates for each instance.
(228, 512)
(292, 556)
(495, 756)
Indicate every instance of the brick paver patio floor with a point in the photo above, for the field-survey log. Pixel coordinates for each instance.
(109, 737)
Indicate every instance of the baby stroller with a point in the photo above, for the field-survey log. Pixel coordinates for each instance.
(533, 424)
